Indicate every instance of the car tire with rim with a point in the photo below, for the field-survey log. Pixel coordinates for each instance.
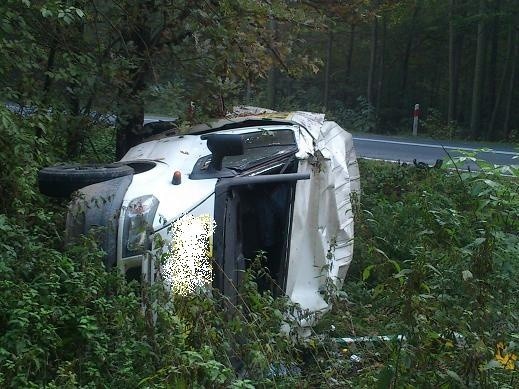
(62, 180)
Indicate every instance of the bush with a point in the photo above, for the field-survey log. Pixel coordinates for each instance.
(66, 321)
(361, 118)
(436, 127)
(435, 259)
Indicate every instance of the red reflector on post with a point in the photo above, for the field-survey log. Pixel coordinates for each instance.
(177, 178)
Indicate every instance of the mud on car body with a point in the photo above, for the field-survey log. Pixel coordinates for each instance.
(194, 209)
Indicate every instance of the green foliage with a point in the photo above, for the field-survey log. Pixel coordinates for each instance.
(167, 99)
(22, 154)
(436, 127)
(64, 320)
(67, 322)
(435, 261)
(117, 57)
(226, 341)
(361, 117)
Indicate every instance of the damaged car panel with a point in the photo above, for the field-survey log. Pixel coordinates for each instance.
(257, 181)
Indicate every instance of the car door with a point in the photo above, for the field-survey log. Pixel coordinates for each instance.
(253, 214)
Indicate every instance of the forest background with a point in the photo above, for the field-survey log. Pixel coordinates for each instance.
(366, 63)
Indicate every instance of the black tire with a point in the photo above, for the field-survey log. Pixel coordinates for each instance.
(62, 180)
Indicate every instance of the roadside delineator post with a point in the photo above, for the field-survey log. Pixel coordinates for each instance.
(416, 114)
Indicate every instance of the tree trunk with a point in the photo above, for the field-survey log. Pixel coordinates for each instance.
(131, 114)
(475, 117)
(506, 122)
(148, 35)
(329, 45)
(491, 133)
(248, 92)
(48, 81)
(461, 102)
(458, 55)
(452, 64)
(380, 84)
(273, 74)
(129, 126)
(271, 88)
(494, 46)
(50, 67)
(407, 53)
(76, 128)
(349, 56)
(372, 61)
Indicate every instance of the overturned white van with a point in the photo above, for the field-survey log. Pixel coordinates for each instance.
(194, 209)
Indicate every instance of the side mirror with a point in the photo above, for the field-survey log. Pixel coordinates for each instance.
(222, 145)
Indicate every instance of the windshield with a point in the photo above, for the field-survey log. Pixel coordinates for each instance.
(259, 147)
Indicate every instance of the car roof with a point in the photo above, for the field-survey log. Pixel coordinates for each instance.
(168, 128)
(229, 124)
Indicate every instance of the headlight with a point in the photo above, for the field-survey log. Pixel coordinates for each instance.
(138, 224)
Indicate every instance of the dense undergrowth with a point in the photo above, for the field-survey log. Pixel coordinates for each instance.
(436, 260)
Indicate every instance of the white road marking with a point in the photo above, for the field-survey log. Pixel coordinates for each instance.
(381, 160)
(433, 146)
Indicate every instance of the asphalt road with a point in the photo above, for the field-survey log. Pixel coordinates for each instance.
(429, 150)
(156, 118)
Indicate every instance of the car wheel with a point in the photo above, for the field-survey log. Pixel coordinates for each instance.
(62, 180)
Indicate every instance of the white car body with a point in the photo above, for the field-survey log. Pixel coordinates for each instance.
(319, 228)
